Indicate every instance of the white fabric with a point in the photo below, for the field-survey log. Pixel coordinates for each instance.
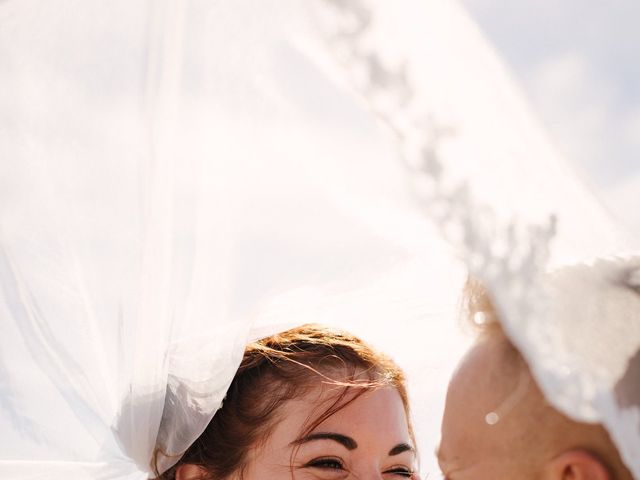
(179, 177)
(501, 196)
(584, 346)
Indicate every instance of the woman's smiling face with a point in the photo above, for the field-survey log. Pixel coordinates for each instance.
(369, 439)
(310, 403)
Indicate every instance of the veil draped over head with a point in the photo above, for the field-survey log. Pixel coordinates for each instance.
(178, 178)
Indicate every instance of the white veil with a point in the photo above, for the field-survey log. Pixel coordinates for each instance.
(512, 211)
(180, 177)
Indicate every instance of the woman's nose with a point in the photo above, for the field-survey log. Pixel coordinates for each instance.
(374, 474)
(368, 474)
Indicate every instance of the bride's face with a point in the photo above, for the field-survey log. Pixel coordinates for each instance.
(369, 438)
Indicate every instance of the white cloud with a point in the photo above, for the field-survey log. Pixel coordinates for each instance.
(577, 63)
(622, 200)
(580, 106)
(631, 130)
(575, 105)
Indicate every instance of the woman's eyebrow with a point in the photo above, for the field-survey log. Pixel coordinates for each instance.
(347, 442)
(401, 448)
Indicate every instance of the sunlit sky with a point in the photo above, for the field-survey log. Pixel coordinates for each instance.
(577, 62)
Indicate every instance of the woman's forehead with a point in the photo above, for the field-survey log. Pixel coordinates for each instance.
(346, 410)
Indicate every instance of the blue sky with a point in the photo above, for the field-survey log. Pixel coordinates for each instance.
(577, 61)
(578, 64)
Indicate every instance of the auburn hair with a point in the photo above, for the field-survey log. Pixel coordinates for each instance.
(280, 368)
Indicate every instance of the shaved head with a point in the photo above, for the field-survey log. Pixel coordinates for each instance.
(497, 423)
(487, 424)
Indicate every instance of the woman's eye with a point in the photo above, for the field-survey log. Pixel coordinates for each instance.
(327, 463)
(401, 472)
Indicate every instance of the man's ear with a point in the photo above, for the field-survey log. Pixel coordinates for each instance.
(577, 465)
(190, 472)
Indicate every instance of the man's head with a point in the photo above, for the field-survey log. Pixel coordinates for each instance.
(497, 424)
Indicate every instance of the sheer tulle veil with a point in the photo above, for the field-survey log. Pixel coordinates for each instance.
(178, 178)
